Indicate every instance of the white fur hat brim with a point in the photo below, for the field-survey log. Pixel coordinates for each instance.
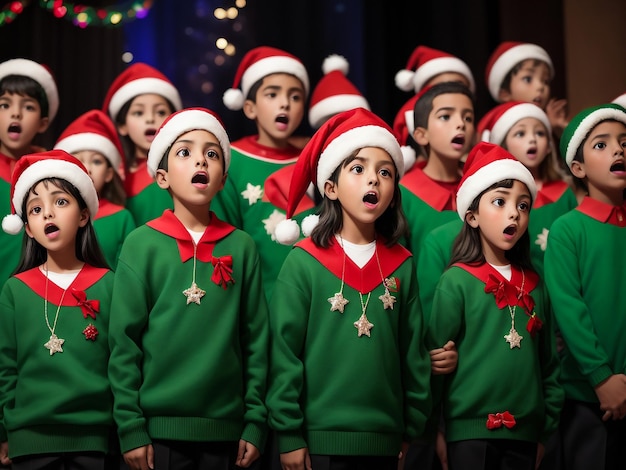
(332, 105)
(94, 142)
(440, 65)
(513, 115)
(143, 86)
(271, 65)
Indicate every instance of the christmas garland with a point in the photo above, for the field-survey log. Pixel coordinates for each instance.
(82, 15)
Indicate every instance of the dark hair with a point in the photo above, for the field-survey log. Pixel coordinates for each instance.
(506, 81)
(128, 146)
(391, 225)
(25, 86)
(87, 247)
(114, 191)
(467, 246)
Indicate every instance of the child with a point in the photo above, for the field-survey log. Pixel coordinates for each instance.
(584, 269)
(138, 101)
(92, 139)
(188, 278)
(274, 85)
(29, 101)
(503, 400)
(426, 67)
(518, 71)
(345, 308)
(55, 400)
(444, 127)
(524, 130)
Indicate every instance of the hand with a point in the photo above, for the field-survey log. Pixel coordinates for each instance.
(444, 360)
(612, 396)
(402, 455)
(141, 458)
(442, 450)
(557, 115)
(4, 454)
(298, 459)
(246, 454)
(541, 450)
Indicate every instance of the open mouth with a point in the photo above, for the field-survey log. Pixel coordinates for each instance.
(618, 166)
(150, 133)
(200, 178)
(15, 128)
(532, 151)
(370, 198)
(510, 230)
(459, 140)
(51, 228)
(282, 119)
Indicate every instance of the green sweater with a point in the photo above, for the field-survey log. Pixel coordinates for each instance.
(491, 377)
(10, 245)
(61, 402)
(243, 202)
(331, 390)
(112, 224)
(144, 198)
(187, 371)
(585, 275)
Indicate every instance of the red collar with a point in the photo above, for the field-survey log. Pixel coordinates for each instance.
(169, 225)
(36, 280)
(603, 212)
(106, 208)
(364, 279)
(428, 190)
(550, 192)
(136, 181)
(251, 148)
(276, 190)
(6, 167)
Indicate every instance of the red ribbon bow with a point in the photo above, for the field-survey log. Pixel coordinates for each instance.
(89, 307)
(222, 271)
(534, 324)
(495, 421)
(509, 294)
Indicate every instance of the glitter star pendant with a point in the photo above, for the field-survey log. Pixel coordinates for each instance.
(387, 299)
(193, 293)
(54, 344)
(337, 302)
(514, 339)
(363, 326)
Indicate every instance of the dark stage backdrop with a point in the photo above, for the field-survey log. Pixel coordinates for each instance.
(179, 38)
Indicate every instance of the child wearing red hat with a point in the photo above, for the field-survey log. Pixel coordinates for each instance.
(138, 101)
(271, 86)
(55, 398)
(348, 291)
(29, 101)
(519, 71)
(92, 138)
(492, 304)
(189, 279)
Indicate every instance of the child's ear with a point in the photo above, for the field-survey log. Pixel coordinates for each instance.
(43, 125)
(504, 95)
(330, 190)
(122, 130)
(470, 219)
(84, 217)
(249, 109)
(420, 135)
(109, 174)
(578, 169)
(161, 179)
(27, 230)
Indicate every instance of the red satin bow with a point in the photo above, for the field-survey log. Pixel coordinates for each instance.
(88, 307)
(508, 294)
(222, 271)
(534, 324)
(495, 421)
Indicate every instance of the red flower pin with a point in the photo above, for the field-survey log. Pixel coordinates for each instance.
(90, 332)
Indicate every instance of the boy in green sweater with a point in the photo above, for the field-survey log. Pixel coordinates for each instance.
(189, 335)
(584, 272)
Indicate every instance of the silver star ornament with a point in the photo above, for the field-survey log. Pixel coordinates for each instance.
(363, 326)
(388, 300)
(337, 302)
(54, 344)
(514, 339)
(194, 293)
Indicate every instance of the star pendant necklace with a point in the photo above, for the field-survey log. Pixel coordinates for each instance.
(54, 344)
(193, 292)
(513, 338)
(338, 301)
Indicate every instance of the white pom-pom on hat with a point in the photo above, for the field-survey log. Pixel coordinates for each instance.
(409, 156)
(404, 80)
(287, 232)
(233, 99)
(335, 62)
(12, 224)
(309, 223)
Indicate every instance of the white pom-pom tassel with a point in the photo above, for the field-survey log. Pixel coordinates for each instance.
(409, 157)
(233, 99)
(12, 224)
(404, 80)
(287, 232)
(309, 223)
(335, 62)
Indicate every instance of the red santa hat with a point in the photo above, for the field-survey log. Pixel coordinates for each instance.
(38, 72)
(495, 125)
(93, 131)
(138, 79)
(334, 93)
(506, 56)
(180, 122)
(333, 142)
(621, 100)
(426, 63)
(30, 169)
(403, 127)
(258, 63)
(487, 164)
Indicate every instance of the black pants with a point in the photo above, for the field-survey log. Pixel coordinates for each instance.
(64, 461)
(343, 462)
(588, 442)
(492, 454)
